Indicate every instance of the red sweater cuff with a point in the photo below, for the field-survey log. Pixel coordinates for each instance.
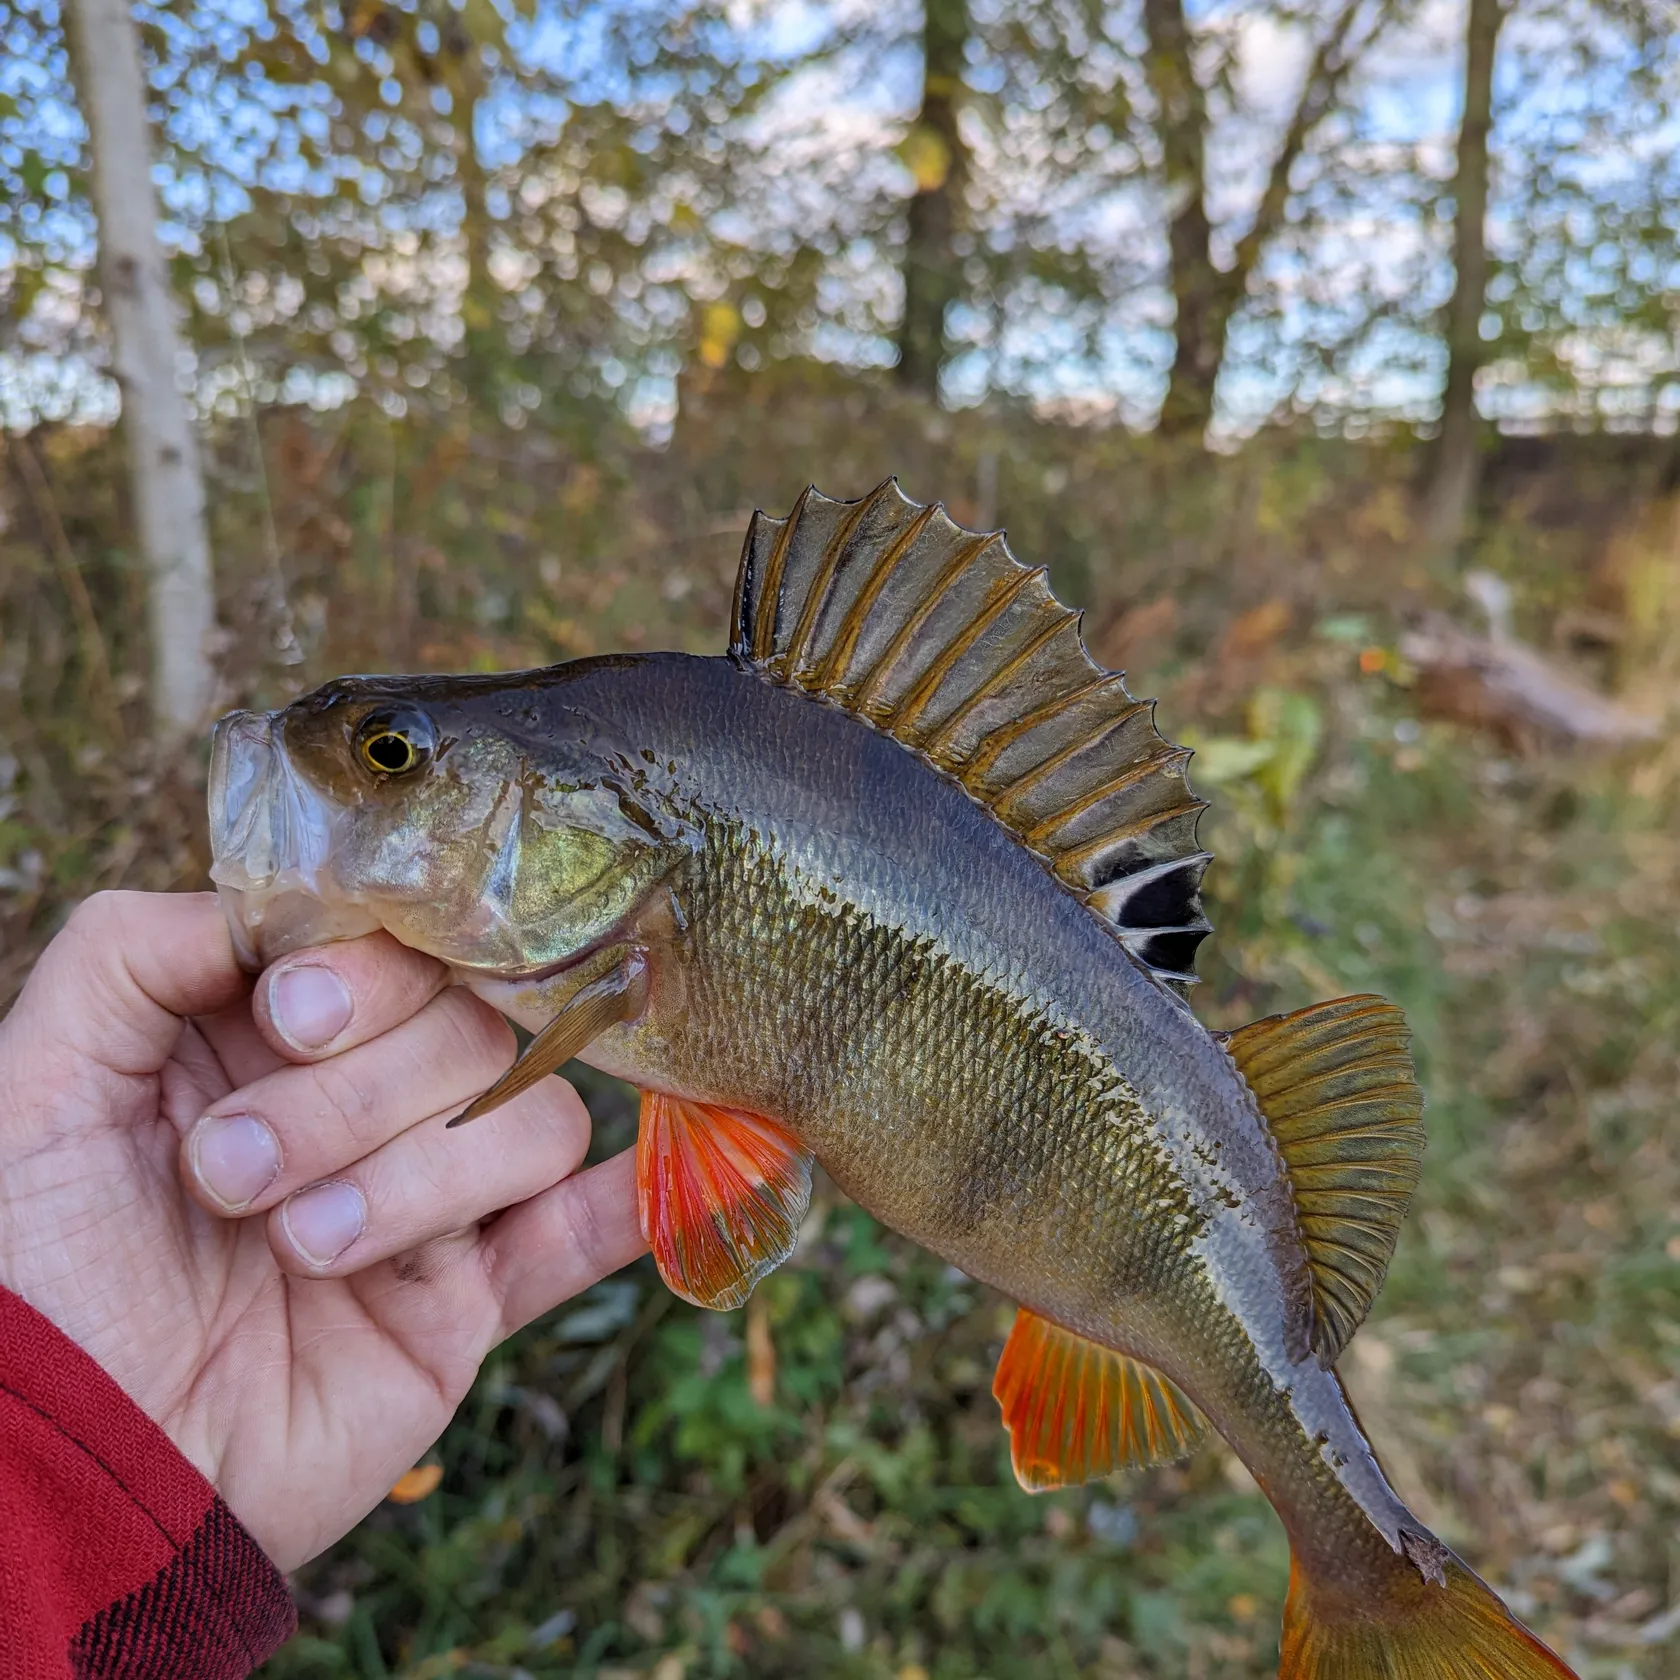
(116, 1556)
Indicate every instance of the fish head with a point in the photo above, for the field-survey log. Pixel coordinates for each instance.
(504, 837)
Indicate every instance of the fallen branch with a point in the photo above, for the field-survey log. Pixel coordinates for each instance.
(1497, 683)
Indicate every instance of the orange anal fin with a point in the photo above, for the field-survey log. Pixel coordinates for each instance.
(1076, 1411)
(721, 1194)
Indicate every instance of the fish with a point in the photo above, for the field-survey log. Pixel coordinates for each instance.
(907, 885)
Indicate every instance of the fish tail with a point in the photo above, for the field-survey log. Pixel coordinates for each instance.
(1448, 1627)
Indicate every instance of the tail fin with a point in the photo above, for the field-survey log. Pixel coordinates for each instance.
(1413, 1631)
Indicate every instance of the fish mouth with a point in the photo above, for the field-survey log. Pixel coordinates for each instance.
(271, 837)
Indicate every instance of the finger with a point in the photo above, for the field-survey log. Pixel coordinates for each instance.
(257, 1145)
(328, 999)
(241, 1053)
(556, 1245)
(428, 1183)
(125, 971)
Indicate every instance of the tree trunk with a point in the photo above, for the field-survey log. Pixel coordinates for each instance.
(934, 150)
(1456, 471)
(460, 66)
(1182, 117)
(1207, 297)
(167, 484)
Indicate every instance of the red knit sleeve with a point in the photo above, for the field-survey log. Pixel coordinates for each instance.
(117, 1558)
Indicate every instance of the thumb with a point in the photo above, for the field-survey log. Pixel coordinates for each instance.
(115, 984)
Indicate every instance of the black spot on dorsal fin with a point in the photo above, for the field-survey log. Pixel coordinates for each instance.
(940, 638)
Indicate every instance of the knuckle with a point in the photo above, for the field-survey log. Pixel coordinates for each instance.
(471, 1034)
(589, 1240)
(429, 1185)
(347, 1100)
(97, 918)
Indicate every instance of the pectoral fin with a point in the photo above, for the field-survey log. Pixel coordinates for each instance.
(721, 1195)
(599, 1003)
(1076, 1411)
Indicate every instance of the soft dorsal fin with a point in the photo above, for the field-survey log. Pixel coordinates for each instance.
(1076, 1410)
(1336, 1085)
(938, 637)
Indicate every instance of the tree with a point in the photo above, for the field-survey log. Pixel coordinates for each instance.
(1456, 470)
(1181, 126)
(1581, 316)
(146, 352)
(1206, 296)
(938, 159)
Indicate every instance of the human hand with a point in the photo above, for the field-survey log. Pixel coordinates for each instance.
(244, 1205)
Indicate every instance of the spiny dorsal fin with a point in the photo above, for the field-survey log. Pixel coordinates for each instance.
(1336, 1085)
(938, 637)
(1076, 1410)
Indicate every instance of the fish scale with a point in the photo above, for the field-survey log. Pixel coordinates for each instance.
(1032, 1128)
(909, 887)
(1034, 1121)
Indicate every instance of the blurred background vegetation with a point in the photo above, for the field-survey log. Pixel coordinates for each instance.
(1324, 349)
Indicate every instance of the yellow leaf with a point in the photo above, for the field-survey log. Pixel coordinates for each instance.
(413, 1485)
(720, 326)
(927, 156)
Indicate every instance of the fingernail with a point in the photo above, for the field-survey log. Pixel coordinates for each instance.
(234, 1157)
(323, 1221)
(309, 1005)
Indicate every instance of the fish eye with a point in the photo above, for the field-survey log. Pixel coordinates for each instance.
(395, 742)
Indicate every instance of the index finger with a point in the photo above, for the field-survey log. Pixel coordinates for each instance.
(330, 998)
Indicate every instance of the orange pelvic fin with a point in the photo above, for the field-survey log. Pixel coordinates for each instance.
(1076, 1411)
(1415, 1629)
(721, 1194)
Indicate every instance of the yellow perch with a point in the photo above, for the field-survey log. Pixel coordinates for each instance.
(907, 885)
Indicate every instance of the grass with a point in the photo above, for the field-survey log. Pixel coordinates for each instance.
(818, 1484)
